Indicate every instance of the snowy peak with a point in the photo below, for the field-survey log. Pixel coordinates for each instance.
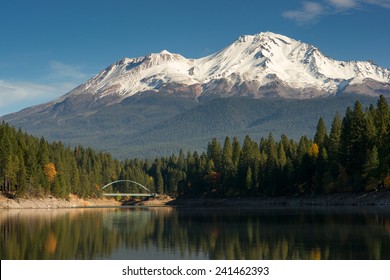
(254, 65)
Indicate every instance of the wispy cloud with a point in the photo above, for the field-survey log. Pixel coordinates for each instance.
(343, 4)
(62, 70)
(312, 12)
(16, 95)
(22, 90)
(382, 3)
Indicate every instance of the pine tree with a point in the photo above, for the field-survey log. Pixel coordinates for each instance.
(236, 151)
(382, 125)
(356, 140)
(214, 152)
(321, 135)
(382, 119)
(282, 159)
(372, 164)
(159, 181)
(346, 143)
(321, 169)
(227, 169)
(248, 180)
(249, 158)
(181, 161)
(271, 150)
(75, 177)
(334, 138)
(5, 152)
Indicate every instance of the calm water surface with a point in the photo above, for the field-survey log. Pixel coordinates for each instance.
(179, 233)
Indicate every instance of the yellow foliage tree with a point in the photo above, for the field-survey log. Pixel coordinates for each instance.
(313, 150)
(50, 171)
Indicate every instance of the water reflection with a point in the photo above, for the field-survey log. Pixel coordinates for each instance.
(169, 233)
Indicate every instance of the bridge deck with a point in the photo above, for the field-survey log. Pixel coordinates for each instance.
(129, 194)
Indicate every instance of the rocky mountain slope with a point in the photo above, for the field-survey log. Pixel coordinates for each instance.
(265, 64)
(151, 105)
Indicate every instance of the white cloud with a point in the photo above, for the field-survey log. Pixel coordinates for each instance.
(15, 96)
(343, 4)
(309, 13)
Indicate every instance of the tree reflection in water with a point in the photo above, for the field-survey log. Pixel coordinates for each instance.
(129, 233)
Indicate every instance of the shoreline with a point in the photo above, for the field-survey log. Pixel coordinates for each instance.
(379, 198)
(51, 202)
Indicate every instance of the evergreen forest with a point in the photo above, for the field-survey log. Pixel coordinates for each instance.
(353, 155)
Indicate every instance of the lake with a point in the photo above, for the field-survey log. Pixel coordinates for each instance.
(202, 233)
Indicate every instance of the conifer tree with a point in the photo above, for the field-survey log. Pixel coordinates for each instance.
(321, 135)
(159, 181)
(371, 166)
(181, 160)
(236, 151)
(248, 180)
(334, 137)
(227, 168)
(214, 152)
(282, 159)
(382, 125)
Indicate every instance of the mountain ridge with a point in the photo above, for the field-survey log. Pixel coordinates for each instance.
(151, 105)
(261, 65)
(257, 62)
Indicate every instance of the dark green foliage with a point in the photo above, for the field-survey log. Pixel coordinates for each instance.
(23, 159)
(321, 136)
(348, 159)
(353, 157)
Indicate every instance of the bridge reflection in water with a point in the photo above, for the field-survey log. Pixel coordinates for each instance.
(148, 194)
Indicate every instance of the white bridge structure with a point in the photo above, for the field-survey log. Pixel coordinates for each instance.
(147, 194)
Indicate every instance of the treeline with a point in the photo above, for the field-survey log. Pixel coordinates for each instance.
(31, 166)
(353, 156)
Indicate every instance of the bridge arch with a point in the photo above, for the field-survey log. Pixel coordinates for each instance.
(130, 181)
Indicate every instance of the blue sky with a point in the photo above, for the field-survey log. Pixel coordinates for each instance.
(48, 47)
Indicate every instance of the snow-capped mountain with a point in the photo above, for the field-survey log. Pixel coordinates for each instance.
(152, 105)
(265, 64)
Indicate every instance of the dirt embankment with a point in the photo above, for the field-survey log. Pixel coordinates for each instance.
(52, 202)
(74, 201)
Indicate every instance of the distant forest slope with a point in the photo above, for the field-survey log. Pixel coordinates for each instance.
(159, 125)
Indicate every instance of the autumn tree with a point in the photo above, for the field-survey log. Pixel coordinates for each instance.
(50, 171)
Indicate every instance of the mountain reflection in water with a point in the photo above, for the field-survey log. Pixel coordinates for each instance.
(182, 233)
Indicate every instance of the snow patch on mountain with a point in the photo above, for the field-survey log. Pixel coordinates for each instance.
(253, 64)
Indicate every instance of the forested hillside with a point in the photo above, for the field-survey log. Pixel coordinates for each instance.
(150, 126)
(352, 156)
(32, 166)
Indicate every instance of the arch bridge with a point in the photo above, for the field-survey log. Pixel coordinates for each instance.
(148, 194)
